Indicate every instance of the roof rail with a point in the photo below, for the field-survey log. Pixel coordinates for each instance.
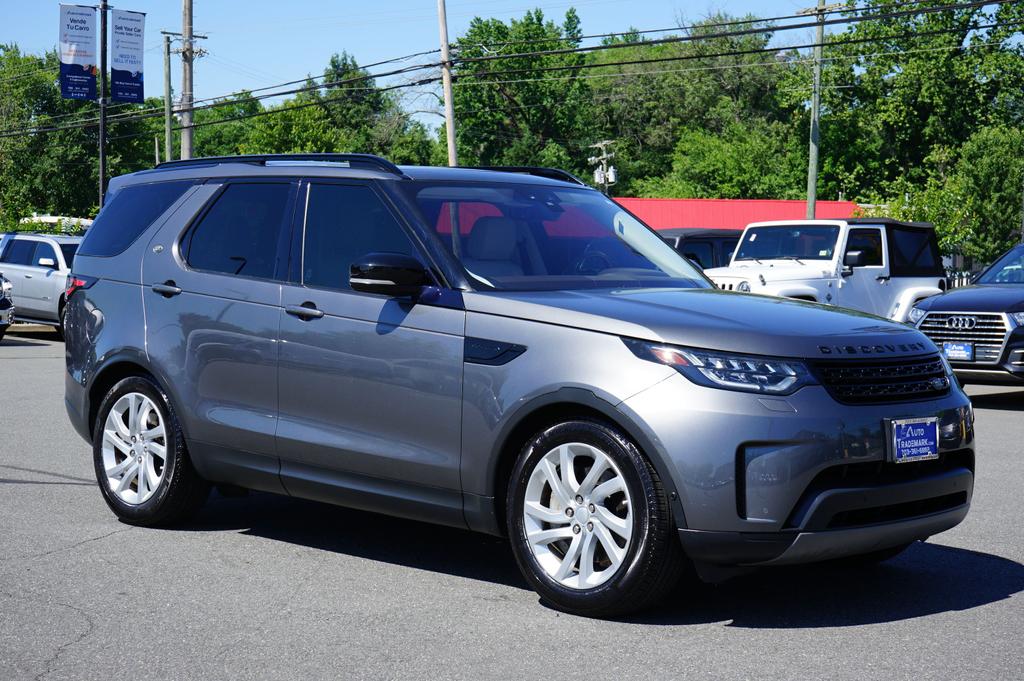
(365, 160)
(550, 173)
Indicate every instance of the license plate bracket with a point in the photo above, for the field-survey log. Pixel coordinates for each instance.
(915, 439)
(958, 352)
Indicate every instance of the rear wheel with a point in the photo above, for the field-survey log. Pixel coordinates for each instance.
(141, 462)
(589, 522)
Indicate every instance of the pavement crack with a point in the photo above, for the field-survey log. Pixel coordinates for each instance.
(70, 547)
(51, 662)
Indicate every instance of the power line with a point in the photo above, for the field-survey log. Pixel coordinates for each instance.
(128, 116)
(735, 34)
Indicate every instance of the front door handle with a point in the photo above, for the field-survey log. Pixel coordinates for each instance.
(168, 289)
(28, 276)
(305, 311)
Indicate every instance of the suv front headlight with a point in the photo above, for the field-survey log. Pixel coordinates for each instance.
(915, 315)
(1017, 317)
(749, 373)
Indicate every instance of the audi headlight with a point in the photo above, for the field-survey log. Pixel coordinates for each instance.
(1017, 317)
(743, 287)
(748, 373)
(916, 314)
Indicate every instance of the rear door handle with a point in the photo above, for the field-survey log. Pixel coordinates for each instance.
(28, 276)
(167, 289)
(305, 311)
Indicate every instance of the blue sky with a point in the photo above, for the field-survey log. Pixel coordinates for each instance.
(257, 43)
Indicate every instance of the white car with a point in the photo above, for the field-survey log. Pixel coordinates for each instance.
(37, 266)
(875, 265)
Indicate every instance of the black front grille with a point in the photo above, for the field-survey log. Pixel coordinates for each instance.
(893, 512)
(876, 381)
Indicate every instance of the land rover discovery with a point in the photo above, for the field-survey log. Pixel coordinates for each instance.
(504, 350)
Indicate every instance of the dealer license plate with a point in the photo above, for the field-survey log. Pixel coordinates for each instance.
(915, 439)
(959, 352)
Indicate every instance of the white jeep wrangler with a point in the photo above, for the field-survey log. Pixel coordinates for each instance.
(875, 265)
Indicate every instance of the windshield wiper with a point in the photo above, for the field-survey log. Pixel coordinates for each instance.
(791, 257)
(751, 258)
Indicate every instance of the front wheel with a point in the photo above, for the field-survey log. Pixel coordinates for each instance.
(590, 523)
(139, 453)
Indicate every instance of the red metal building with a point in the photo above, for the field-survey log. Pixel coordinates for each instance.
(727, 213)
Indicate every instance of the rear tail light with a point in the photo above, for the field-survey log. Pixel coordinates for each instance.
(77, 282)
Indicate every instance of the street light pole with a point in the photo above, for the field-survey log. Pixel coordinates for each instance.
(187, 56)
(102, 99)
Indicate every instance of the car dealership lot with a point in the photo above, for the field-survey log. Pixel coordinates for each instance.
(269, 587)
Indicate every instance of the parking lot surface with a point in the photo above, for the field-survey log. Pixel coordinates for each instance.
(271, 587)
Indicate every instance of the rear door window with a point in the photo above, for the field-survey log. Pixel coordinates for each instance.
(128, 214)
(19, 252)
(69, 250)
(244, 232)
(914, 253)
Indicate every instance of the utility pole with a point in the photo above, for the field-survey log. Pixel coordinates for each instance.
(604, 174)
(102, 99)
(446, 84)
(168, 138)
(812, 157)
(156, 150)
(187, 57)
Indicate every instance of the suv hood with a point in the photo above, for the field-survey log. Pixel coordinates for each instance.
(710, 318)
(772, 270)
(983, 298)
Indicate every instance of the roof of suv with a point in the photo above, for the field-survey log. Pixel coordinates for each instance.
(59, 238)
(356, 165)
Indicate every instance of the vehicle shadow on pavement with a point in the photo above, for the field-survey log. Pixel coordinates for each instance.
(366, 535)
(927, 579)
(1006, 401)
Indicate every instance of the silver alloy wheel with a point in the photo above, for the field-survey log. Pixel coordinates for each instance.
(134, 448)
(578, 515)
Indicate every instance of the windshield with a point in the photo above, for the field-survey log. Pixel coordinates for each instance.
(1007, 270)
(791, 242)
(527, 237)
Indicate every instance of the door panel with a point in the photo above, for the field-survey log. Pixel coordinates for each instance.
(370, 392)
(18, 266)
(217, 339)
(867, 287)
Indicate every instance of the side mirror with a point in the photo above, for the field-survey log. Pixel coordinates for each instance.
(47, 262)
(392, 274)
(854, 259)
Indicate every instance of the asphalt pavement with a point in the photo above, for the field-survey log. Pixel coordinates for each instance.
(268, 587)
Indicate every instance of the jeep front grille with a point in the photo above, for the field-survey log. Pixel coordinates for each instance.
(988, 332)
(891, 380)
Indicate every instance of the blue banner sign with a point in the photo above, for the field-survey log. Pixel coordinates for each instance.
(127, 35)
(77, 52)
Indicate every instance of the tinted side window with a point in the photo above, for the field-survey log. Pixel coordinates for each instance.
(914, 253)
(699, 252)
(242, 233)
(19, 252)
(344, 223)
(868, 242)
(128, 214)
(69, 251)
(44, 250)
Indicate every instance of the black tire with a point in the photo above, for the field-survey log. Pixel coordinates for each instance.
(654, 560)
(60, 321)
(3, 330)
(181, 491)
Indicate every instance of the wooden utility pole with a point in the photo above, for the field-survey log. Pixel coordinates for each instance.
(812, 156)
(446, 84)
(187, 57)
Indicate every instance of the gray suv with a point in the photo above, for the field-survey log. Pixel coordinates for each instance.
(502, 350)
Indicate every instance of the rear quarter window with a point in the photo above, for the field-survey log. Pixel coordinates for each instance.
(131, 211)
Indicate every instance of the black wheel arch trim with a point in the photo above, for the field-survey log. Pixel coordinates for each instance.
(484, 516)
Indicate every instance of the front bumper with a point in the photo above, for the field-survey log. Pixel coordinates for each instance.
(6, 312)
(801, 478)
